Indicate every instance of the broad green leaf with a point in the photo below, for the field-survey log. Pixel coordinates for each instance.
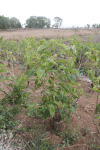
(52, 109)
(65, 105)
(3, 70)
(31, 73)
(40, 73)
(46, 114)
(67, 118)
(32, 105)
(73, 109)
(57, 103)
(96, 89)
(62, 113)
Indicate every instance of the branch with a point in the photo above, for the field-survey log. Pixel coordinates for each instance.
(7, 86)
(6, 93)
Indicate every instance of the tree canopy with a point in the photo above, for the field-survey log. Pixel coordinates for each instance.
(58, 22)
(6, 22)
(38, 22)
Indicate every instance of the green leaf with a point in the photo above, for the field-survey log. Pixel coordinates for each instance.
(65, 105)
(38, 85)
(97, 109)
(47, 53)
(73, 109)
(46, 114)
(67, 118)
(3, 70)
(62, 61)
(52, 109)
(45, 98)
(60, 78)
(31, 73)
(40, 73)
(62, 113)
(58, 103)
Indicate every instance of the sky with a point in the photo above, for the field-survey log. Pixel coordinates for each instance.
(73, 12)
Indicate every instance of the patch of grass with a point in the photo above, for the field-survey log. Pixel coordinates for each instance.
(39, 143)
(69, 137)
(6, 116)
(93, 146)
(85, 130)
(84, 70)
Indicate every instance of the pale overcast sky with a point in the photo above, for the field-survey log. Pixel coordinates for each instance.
(73, 12)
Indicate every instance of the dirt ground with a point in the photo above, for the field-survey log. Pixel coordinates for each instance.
(83, 120)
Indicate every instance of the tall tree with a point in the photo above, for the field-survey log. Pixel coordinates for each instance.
(15, 23)
(38, 22)
(4, 22)
(58, 22)
(31, 22)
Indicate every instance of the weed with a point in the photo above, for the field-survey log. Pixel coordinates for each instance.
(85, 130)
(84, 70)
(39, 143)
(93, 146)
(70, 136)
(6, 117)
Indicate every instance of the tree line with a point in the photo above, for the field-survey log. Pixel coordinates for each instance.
(32, 22)
(93, 26)
(6, 22)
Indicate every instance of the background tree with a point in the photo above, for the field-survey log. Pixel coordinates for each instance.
(15, 23)
(88, 26)
(4, 22)
(58, 22)
(31, 22)
(96, 25)
(47, 22)
(38, 22)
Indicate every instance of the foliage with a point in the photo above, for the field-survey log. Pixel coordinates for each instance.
(6, 116)
(58, 22)
(84, 70)
(6, 22)
(38, 22)
(69, 137)
(88, 26)
(15, 23)
(54, 67)
(55, 94)
(96, 25)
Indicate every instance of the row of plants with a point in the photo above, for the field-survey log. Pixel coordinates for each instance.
(54, 67)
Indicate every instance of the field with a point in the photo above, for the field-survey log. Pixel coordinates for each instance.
(18, 34)
(49, 89)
